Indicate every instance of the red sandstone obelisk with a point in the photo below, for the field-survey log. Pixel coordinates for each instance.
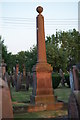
(42, 79)
(42, 97)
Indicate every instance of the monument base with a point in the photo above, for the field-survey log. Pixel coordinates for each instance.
(42, 97)
(45, 107)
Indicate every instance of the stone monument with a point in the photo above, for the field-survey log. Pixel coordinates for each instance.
(7, 110)
(74, 98)
(18, 78)
(76, 78)
(42, 93)
(5, 75)
(24, 71)
(17, 68)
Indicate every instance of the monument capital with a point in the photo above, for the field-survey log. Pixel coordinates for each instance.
(39, 9)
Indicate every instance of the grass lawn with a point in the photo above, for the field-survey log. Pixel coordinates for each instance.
(23, 97)
(42, 114)
(62, 93)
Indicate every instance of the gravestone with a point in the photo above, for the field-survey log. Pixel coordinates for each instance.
(17, 68)
(74, 99)
(28, 81)
(24, 71)
(12, 80)
(18, 82)
(7, 110)
(14, 77)
(76, 78)
(71, 80)
(17, 78)
(5, 75)
(42, 93)
(24, 76)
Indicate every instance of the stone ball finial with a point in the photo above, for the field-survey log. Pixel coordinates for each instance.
(39, 9)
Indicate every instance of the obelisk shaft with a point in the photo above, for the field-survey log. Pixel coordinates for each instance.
(41, 39)
(42, 94)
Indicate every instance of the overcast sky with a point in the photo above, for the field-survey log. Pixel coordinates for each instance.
(18, 21)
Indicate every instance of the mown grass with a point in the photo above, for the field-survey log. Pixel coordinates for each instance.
(22, 98)
(42, 114)
(62, 93)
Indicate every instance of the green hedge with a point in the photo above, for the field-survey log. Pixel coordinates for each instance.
(56, 79)
(67, 79)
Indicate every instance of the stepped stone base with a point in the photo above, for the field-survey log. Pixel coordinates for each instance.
(42, 99)
(43, 107)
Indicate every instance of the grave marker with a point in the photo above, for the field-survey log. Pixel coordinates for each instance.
(42, 95)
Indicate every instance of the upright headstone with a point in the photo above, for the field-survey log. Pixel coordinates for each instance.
(5, 75)
(42, 93)
(24, 75)
(18, 78)
(0, 52)
(28, 81)
(74, 98)
(7, 110)
(76, 78)
(17, 68)
(24, 71)
(0, 93)
(71, 80)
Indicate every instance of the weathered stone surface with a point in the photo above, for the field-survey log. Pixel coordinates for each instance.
(74, 99)
(17, 68)
(43, 107)
(18, 82)
(73, 108)
(7, 111)
(77, 95)
(5, 75)
(76, 78)
(40, 37)
(28, 80)
(42, 94)
(24, 71)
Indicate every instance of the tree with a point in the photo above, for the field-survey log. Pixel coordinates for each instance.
(21, 59)
(31, 58)
(62, 49)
